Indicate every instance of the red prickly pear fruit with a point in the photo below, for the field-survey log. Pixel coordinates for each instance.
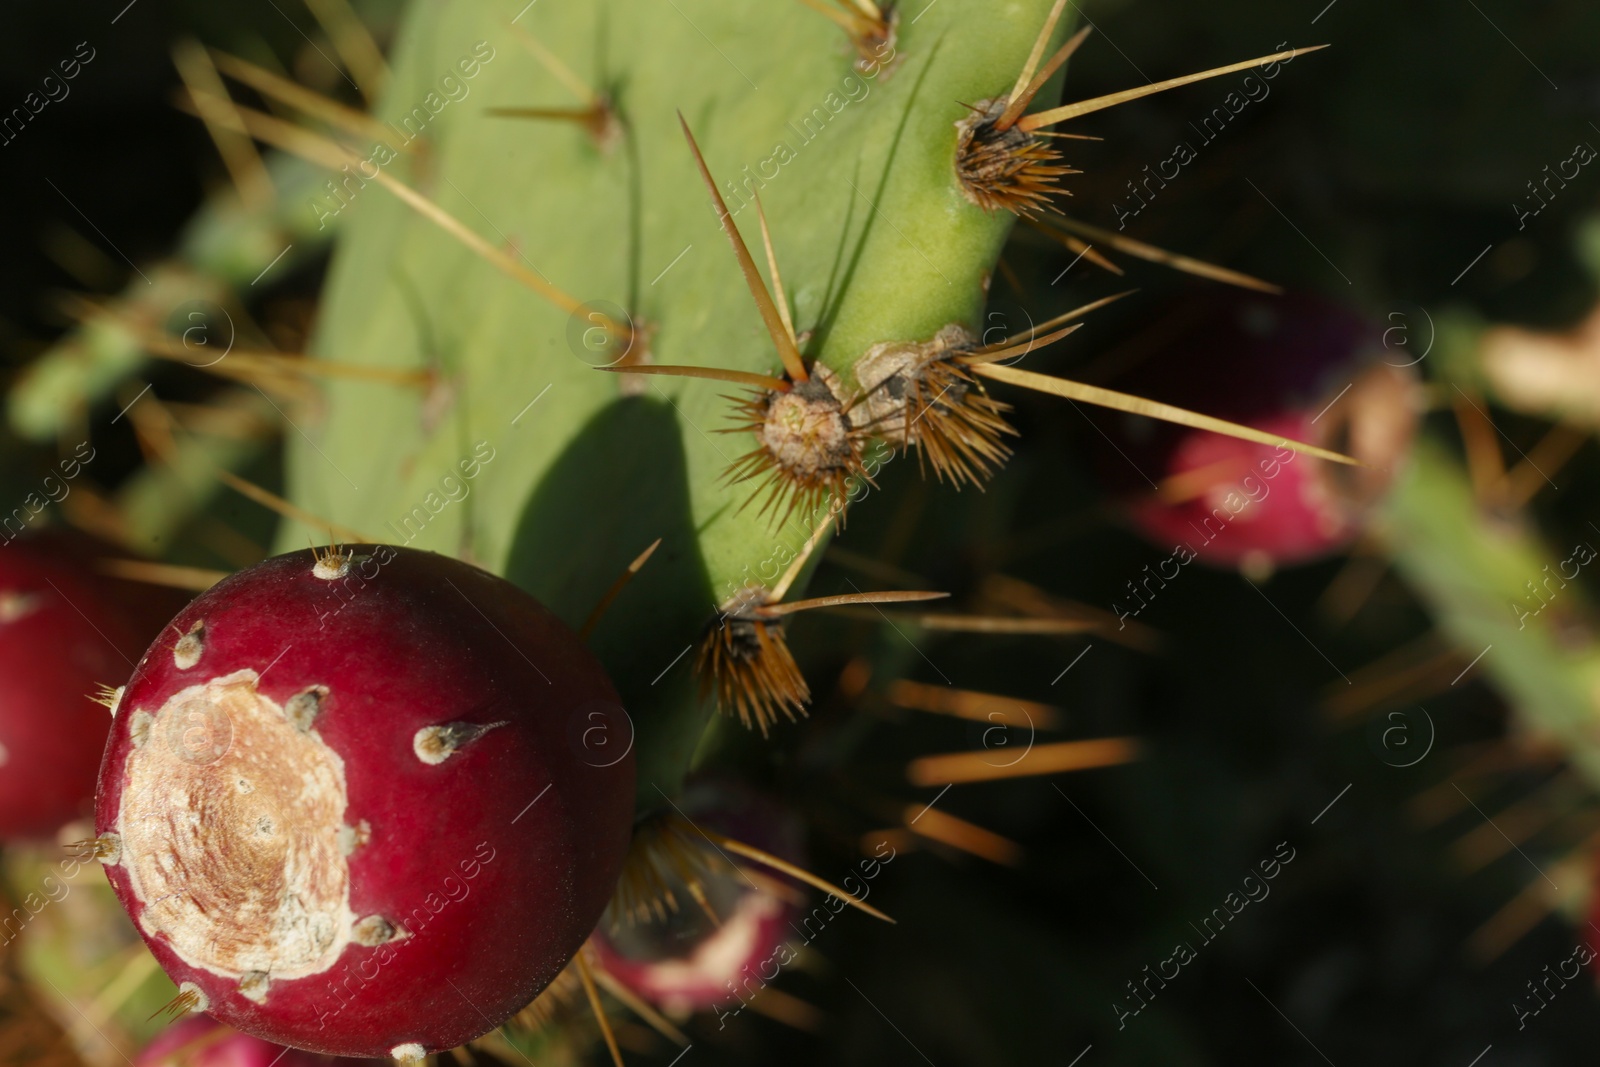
(199, 1041)
(318, 764)
(686, 963)
(64, 630)
(1296, 366)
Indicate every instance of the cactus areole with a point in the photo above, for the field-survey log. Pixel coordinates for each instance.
(356, 804)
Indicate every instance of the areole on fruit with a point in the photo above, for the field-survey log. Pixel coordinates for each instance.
(295, 812)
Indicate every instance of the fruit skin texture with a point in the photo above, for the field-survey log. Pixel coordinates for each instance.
(63, 630)
(201, 1042)
(491, 864)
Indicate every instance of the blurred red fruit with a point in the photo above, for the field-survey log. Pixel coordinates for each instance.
(687, 962)
(64, 630)
(1296, 366)
(203, 1042)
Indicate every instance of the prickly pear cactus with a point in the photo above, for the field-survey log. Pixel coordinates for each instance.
(528, 458)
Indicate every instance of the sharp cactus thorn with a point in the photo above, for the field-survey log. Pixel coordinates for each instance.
(999, 157)
(1418, 669)
(195, 579)
(152, 426)
(287, 510)
(808, 450)
(1079, 247)
(354, 44)
(958, 833)
(238, 152)
(1028, 600)
(1516, 823)
(783, 866)
(324, 152)
(969, 704)
(1480, 440)
(771, 885)
(189, 999)
(257, 367)
(640, 1007)
(890, 596)
(999, 624)
(1056, 758)
(1352, 587)
(1041, 119)
(788, 1009)
(552, 1003)
(1108, 398)
(595, 1006)
(264, 497)
(552, 63)
(1196, 483)
(787, 579)
(299, 97)
(1151, 253)
(793, 364)
(1028, 83)
(598, 116)
(616, 588)
(1511, 923)
(107, 696)
(1542, 462)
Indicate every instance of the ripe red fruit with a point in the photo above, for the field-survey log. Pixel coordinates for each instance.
(686, 962)
(318, 765)
(1297, 366)
(64, 629)
(201, 1042)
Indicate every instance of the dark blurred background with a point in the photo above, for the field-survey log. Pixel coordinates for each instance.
(1372, 174)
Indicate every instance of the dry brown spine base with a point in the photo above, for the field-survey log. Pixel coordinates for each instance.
(921, 396)
(744, 659)
(667, 851)
(808, 448)
(744, 663)
(1005, 170)
(874, 29)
